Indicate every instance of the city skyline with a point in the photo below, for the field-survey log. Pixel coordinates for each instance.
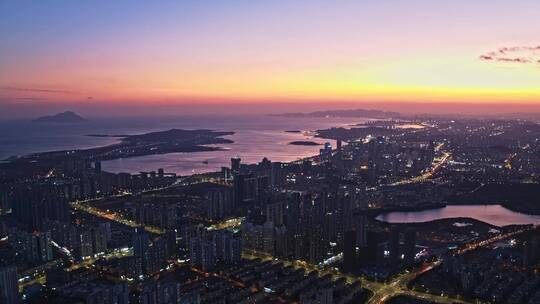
(269, 152)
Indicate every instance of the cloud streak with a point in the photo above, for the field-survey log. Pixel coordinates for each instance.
(515, 54)
(10, 98)
(36, 90)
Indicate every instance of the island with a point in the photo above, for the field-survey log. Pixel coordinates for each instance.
(162, 142)
(105, 135)
(66, 117)
(304, 143)
(345, 113)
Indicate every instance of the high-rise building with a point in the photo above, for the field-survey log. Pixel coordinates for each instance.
(276, 174)
(156, 256)
(228, 247)
(220, 203)
(43, 248)
(349, 251)
(172, 246)
(208, 255)
(208, 249)
(97, 167)
(251, 188)
(394, 245)
(235, 165)
(9, 285)
(531, 251)
(34, 247)
(85, 246)
(99, 239)
(94, 291)
(106, 226)
(409, 246)
(274, 213)
(360, 225)
(326, 152)
(252, 236)
(381, 247)
(317, 245)
(239, 187)
(282, 244)
(5, 199)
(368, 253)
(159, 293)
(268, 238)
(262, 189)
(34, 205)
(140, 242)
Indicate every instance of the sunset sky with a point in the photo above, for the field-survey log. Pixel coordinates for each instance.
(167, 52)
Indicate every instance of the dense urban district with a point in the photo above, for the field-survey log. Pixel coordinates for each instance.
(315, 230)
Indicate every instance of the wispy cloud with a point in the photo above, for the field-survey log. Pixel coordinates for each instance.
(16, 100)
(29, 98)
(37, 90)
(515, 54)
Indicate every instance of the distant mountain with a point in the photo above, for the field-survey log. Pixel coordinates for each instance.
(346, 113)
(64, 117)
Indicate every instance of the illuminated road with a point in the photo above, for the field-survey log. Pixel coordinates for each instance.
(37, 274)
(117, 253)
(499, 237)
(113, 216)
(381, 291)
(437, 164)
(398, 286)
(227, 224)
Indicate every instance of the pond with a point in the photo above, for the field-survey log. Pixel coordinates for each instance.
(496, 215)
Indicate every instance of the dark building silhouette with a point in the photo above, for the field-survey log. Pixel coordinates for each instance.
(368, 254)
(409, 246)
(9, 285)
(531, 251)
(140, 244)
(238, 191)
(394, 245)
(33, 205)
(349, 251)
(235, 165)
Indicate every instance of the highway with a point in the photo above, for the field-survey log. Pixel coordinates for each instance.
(116, 217)
(113, 216)
(398, 285)
(381, 292)
(436, 166)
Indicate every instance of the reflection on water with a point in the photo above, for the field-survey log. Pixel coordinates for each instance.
(254, 139)
(493, 214)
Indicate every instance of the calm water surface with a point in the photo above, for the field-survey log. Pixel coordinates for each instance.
(255, 137)
(493, 214)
